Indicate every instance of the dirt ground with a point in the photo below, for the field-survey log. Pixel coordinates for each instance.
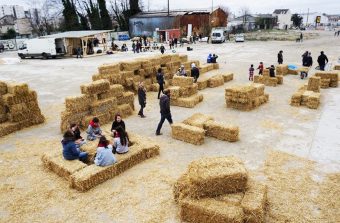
(29, 193)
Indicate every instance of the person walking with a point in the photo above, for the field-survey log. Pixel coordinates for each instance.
(134, 47)
(195, 72)
(251, 72)
(162, 49)
(260, 68)
(141, 98)
(160, 81)
(301, 37)
(280, 57)
(164, 104)
(79, 53)
(322, 60)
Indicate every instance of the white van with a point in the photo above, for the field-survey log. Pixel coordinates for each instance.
(218, 36)
(43, 48)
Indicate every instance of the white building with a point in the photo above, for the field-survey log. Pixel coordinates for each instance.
(15, 10)
(284, 18)
(310, 18)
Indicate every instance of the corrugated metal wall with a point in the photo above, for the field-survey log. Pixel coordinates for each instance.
(146, 26)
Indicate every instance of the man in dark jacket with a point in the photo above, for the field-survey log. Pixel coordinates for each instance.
(164, 104)
(195, 72)
(280, 57)
(162, 49)
(141, 99)
(160, 81)
(322, 60)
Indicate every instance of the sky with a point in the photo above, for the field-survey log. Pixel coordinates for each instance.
(255, 6)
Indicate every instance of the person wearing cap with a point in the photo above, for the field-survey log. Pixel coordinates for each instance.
(182, 72)
(195, 72)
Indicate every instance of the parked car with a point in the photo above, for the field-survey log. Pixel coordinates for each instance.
(239, 37)
(218, 36)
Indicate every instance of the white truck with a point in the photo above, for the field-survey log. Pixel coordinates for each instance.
(218, 35)
(42, 48)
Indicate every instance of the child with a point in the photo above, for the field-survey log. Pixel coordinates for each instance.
(77, 136)
(121, 141)
(251, 72)
(104, 156)
(271, 71)
(70, 149)
(260, 68)
(93, 131)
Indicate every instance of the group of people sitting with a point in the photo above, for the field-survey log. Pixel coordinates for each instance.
(106, 149)
(195, 72)
(260, 68)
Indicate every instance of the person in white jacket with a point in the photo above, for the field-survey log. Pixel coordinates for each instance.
(121, 141)
(104, 156)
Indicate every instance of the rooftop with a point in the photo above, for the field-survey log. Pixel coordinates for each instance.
(280, 11)
(76, 34)
(165, 13)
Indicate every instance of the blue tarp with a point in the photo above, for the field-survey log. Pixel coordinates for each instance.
(292, 67)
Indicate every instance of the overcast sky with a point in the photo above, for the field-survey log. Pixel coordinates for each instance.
(255, 6)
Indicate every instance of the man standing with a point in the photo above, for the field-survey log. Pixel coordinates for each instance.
(280, 57)
(164, 104)
(195, 72)
(322, 60)
(162, 49)
(141, 98)
(160, 81)
(301, 37)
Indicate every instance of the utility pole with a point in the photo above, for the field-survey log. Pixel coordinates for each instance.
(212, 6)
(168, 7)
(307, 17)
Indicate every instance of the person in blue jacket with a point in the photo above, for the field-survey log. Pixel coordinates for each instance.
(209, 58)
(70, 149)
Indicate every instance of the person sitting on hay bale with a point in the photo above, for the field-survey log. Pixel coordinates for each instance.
(77, 135)
(214, 58)
(93, 131)
(118, 122)
(70, 149)
(121, 141)
(104, 155)
(195, 72)
(181, 71)
(271, 71)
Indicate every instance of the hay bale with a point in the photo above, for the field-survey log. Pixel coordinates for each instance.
(216, 66)
(11, 99)
(188, 102)
(293, 72)
(211, 177)
(313, 101)
(296, 99)
(109, 68)
(7, 128)
(78, 103)
(182, 81)
(259, 89)
(95, 87)
(187, 133)
(17, 88)
(3, 88)
(115, 90)
(130, 65)
(210, 211)
(215, 81)
(259, 79)
(183, 58)
(271, 82)
(254, 202)
(325, 82)
(127, 98)
(174, 92)
(336, 67)
(57, 164)
(103, 106)
(314, 84)
(305, 97)
(279, 79)
(282, 69)
(125, 110)
(222, 132)
(265, 72)
(202, 83)
(228, 77)
(3, 118)
(188, 91)
(164, 59)
(93, 175)
(198, 120)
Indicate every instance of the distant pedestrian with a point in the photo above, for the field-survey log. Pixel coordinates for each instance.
(214, 58)
(322, 60)
(195, 72)
(271, 71)
(280, 57)
(160, 81)
(164, 104)
(79, 52)
(301, 37)
(134, 47)
(260, 68)
(141, 98)
(304, 58)
(162, 49)
(251, 72)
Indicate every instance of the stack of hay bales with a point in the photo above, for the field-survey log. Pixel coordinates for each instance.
(195, 128)
(282, 69)
(308, 95)
(328, 78)
(336, 67)
(246, 97)
(98, 99)
(184, 92)
(19, 108)
(219, 190)
(214, 81)
(267, 80)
